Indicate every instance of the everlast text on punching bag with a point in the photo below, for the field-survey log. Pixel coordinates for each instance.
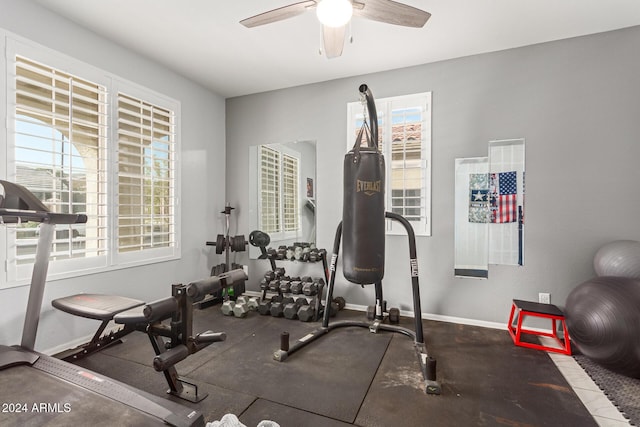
(363, 214)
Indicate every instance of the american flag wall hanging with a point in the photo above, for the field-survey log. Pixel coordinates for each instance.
(503, 195)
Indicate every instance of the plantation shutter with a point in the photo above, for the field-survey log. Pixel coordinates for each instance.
(146, 172)
(290, 204)
(269, 204)
(60, 155)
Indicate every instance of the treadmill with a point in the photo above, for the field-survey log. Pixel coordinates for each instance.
(39, 390)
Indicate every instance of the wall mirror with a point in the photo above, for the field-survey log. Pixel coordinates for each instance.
(472, 217)
(282, 192)
(506, 200)
(489, 209)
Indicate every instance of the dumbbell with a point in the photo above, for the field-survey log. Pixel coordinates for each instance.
(340, 301)
(306, 313)
(277, 308)
(334, 308)
(274, 285)
(310, 289)
(227, 307)
(295, 287)
(241, 308)
(253, 303)
(264, 306)
(264, 285)
(285, 286)
(394, 316)
(291, 309)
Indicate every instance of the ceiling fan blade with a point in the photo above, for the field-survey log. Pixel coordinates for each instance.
(333, 40)
(392, 12)
(279, 14)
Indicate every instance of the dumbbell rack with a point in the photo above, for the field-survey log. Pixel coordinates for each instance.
(279, 273)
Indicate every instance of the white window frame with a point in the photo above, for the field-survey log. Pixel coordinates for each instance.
(384, 107)
(18, 275)
(146, 256)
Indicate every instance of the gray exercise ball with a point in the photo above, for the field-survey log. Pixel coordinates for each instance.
(620, 258)
(603, 318)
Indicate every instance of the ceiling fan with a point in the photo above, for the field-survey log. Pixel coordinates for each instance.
(334, 15)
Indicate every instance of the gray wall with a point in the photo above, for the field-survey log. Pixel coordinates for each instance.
(577, 103)
(202, 149)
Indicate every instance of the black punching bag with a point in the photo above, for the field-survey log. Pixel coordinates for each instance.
(363, 221)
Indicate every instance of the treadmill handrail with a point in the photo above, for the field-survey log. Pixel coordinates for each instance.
(11, 216)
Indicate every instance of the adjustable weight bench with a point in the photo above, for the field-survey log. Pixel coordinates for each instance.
(172, 341)
(96, 307)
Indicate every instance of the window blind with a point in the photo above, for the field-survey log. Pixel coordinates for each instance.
(269, 204)
(146, 171)
(60, 155)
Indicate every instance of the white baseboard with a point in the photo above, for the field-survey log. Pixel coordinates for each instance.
(63, 347)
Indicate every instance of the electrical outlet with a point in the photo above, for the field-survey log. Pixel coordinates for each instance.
(544, 298)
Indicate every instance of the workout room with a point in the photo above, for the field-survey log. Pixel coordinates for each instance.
(234, 213)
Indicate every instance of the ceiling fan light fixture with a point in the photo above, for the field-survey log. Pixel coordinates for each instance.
(334, 13)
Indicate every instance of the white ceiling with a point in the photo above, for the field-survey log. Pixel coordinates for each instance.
(203, 40)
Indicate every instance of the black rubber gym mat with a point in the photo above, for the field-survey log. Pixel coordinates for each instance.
(137, 347)
(219, 402)
(285, 416)
(329, 377)
(485, 379)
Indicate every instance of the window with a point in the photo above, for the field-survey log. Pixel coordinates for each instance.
(404, 133)
(59, 153)
(88, 143)
(279, 184)
(145, 175)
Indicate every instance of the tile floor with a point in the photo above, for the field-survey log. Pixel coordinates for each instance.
(598, 405)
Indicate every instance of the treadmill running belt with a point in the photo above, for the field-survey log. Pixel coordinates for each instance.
(52, 392)
(30, 397)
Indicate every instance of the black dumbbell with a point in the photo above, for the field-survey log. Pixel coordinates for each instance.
(340, 301)
(264, 307)
(333, 308)
(291, 309)
(285, 286)
(394, 316)
(310, 289)
(277, 307)
(306, 313)
(295, 287)
(264, 285)
(274, 285)
(269, 275)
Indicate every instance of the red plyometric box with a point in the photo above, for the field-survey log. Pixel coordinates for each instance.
(521, 309)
